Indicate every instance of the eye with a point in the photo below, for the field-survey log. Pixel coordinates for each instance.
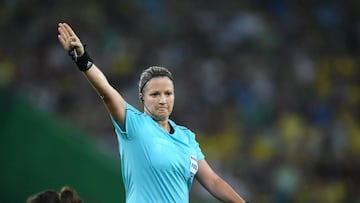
(154, 94)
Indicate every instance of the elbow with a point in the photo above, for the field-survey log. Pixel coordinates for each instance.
(105, 98)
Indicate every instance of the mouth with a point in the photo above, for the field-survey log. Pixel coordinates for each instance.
(162, 109)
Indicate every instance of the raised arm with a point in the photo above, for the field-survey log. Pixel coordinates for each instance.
(216, 185)
(113, 101)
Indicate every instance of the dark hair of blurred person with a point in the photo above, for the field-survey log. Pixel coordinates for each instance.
(66, 195)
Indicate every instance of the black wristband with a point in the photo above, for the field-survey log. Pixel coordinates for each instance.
(83, 62)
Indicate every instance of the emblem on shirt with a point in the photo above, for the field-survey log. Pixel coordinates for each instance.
(193, 166)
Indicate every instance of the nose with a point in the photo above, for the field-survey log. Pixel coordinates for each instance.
(163, 99)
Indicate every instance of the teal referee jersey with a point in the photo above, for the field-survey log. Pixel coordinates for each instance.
(157, 167)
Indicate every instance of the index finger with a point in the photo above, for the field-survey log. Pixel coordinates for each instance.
(62, 31)
(69, 30)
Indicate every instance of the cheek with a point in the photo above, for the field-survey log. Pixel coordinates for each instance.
(151, 103)
(172, 101)
(172, 105)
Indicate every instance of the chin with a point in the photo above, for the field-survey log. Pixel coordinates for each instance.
(160, 118)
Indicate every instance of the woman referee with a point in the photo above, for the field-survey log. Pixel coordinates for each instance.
(159, 158)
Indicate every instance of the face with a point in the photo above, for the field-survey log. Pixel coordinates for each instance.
(158, 97)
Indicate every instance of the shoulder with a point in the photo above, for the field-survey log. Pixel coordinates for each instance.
(182, 128)
(135, 120)
(179, 127)
(132, 109)
(134, 116)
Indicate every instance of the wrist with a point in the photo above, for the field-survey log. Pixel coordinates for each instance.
(83, 61)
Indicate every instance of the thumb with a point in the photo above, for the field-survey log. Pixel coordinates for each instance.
(78, 46)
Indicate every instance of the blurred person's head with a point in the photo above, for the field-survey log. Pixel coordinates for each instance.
(66, 195)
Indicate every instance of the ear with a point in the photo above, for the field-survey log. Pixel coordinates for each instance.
(141, 97)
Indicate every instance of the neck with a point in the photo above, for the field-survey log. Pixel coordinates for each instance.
(164, 124)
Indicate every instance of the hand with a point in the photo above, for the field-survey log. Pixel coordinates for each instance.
(69, 40)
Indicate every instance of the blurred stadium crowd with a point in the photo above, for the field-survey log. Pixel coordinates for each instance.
(271, 87)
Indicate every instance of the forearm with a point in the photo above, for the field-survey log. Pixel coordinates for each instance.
(97, 80)
(113, 101)
(224, 192)
(216, 185)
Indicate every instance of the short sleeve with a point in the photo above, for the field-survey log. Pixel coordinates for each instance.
(196, 146)
(133, 119)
